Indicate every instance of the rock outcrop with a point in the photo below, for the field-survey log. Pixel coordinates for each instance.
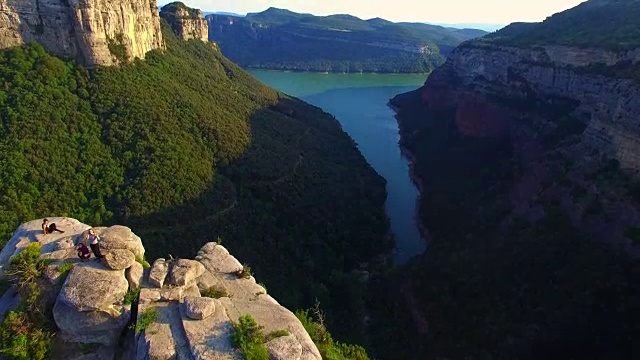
(31, 231)
(193, 325)
(91, 306)
(94, 32)
(119, 259)
(158, 272)
(186, 23)
(198, 308)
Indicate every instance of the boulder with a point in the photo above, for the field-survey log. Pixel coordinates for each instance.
(148, 295)
(90, 286)
(91, 327)
(88, 308)
(191, 290)
(158, 272)
(284, 348)
(134, 275)
(185, 271)
(172, 293)
(198, 308)
(119, 259)
(120, 237)
(216, 258)
(206, 281)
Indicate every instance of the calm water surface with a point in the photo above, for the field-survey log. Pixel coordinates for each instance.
(359, 101)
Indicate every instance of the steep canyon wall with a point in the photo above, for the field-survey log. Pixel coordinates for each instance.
(94, 32)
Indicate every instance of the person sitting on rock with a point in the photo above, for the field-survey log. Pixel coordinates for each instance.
(49, 229)
(83, 251)
(94, 242)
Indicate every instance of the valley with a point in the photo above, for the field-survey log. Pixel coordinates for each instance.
(358, 101)
(403, 190)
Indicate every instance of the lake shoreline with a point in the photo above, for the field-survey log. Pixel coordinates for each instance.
(249, 68)
(417, 181)
(359, 103)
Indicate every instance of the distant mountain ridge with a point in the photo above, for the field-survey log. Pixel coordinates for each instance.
(475, 26)
(282, 39)
(610, 24)
(222, 13)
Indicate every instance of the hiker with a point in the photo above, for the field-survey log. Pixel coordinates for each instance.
(83, 251)
(93, 240)
(49, 229)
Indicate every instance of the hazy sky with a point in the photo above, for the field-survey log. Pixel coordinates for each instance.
(440, 11)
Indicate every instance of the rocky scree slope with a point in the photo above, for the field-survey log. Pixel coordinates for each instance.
(90, 306)
(93, 32)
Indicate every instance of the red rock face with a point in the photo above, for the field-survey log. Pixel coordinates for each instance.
(477, 117)
(438, 91)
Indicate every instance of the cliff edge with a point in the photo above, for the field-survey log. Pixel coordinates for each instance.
(194, 302)
(186, 23)
(93, 32)
(564, 116)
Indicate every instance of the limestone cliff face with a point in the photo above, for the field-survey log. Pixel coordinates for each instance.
(610, 106)
(89, 305)
(94, 32)
(567, 122)
(186, 23)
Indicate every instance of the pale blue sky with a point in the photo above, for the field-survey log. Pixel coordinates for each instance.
(437, 11)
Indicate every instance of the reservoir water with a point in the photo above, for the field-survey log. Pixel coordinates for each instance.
(359, 102)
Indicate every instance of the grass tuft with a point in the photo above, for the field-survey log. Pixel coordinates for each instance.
(215, 292)
(145, 319)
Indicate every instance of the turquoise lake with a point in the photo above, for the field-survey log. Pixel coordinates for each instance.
(359, 102)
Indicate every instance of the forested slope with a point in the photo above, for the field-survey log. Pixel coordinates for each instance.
(597, 24)
(186, 147)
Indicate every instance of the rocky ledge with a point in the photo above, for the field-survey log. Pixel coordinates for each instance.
(195, 301)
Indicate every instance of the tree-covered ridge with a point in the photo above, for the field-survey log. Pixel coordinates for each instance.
(185, 147)
(281, 39)
(610, 24)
